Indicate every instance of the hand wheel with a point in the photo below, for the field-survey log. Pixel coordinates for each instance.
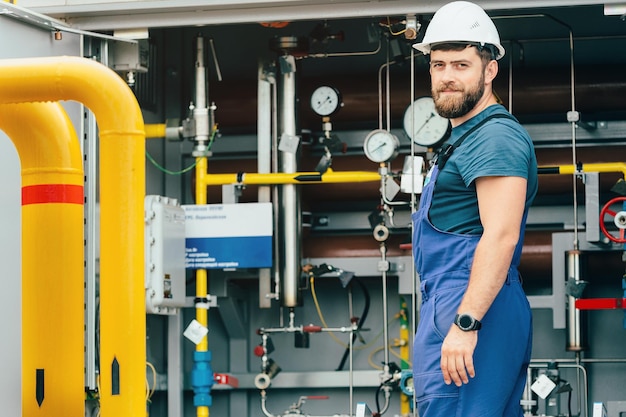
(619, 219)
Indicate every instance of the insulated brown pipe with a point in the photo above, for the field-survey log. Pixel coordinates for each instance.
(536, 91)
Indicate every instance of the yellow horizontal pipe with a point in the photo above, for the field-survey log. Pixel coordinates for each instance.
(154, 131)
(122, 193)
(314, 177)
(593, 167)
(52, 259)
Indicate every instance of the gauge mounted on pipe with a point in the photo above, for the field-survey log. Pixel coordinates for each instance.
(381, 146)
(326, 100)
(424, 125)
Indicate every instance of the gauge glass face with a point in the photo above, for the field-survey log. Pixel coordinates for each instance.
(423, 124)
(325, 100)
(380, 146)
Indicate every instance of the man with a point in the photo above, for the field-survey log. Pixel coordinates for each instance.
(474, 337)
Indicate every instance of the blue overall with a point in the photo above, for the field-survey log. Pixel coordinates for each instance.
(501, 357)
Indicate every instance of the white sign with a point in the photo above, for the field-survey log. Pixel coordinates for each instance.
(226, 236)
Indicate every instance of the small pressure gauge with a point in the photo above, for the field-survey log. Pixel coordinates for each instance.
(423, 124)
(381, 146)
(326, 100)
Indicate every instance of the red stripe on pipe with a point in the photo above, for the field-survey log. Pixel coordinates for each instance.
(52, 193)
(600, 303)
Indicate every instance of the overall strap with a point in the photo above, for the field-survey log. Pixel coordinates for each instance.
(444, 153)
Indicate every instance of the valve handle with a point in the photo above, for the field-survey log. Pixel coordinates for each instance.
(619, 219)
(311, 328)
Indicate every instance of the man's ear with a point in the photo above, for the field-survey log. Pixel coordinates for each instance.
(491, 70)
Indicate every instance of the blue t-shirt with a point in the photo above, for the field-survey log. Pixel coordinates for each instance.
(501, 147)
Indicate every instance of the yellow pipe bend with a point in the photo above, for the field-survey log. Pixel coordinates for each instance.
(52, 258)
(122, 193)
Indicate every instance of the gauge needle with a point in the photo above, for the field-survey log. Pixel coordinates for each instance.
(382, 145)
(430, 116)
(323, 102)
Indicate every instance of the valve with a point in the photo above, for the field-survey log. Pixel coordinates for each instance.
(619, 219)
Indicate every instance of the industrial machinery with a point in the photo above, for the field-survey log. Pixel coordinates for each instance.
(261, 265)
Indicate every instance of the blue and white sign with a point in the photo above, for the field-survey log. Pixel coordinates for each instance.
(224, 236)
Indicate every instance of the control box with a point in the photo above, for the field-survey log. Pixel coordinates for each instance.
(164, 255)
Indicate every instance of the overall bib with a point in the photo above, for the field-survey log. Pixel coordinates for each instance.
(502, 354)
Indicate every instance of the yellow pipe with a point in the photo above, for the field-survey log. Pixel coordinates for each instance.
(52, 258)
(122, 193)
(594, 167)
(313, 177)
(202, 314)
(405, 407)
(155, 131)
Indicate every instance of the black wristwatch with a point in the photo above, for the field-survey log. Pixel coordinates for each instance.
(467, 323)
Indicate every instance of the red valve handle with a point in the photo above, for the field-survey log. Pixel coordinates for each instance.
(311, 328)
(606, 210)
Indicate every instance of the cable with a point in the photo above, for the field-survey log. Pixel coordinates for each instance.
(366, 309)
(167, 171)
(391, 30)
(319, 312)
(370, 358)
(150, 391)
(184, 170)
(332, 335)
(378, 390)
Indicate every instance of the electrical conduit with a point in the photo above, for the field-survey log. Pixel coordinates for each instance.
(122, 193)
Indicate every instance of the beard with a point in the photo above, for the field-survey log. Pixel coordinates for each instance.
(454, 107)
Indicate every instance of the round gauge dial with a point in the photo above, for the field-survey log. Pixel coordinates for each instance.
(381, 146)
(423, 124)
(325, 100)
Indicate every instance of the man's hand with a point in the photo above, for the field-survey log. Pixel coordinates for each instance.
(457, 363)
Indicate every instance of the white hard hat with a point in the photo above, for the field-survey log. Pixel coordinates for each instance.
(460, 21)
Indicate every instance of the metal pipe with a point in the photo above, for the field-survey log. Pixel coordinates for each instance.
(122, 192)
(289, 194)
(200, 110)
(576, 319)
(264, 404)
(52, 257)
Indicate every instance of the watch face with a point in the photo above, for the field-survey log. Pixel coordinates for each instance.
(381, 145)
(325, 100)
(423, 124)
(465, 322)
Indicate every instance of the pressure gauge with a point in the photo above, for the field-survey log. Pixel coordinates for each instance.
(423, 124)
(325, 100)
(381, 145)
